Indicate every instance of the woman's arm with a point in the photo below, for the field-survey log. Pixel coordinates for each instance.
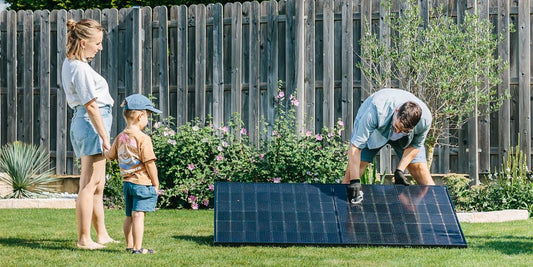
(96, 118)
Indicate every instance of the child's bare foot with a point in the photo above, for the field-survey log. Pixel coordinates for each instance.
(90, 245)
(107, 240)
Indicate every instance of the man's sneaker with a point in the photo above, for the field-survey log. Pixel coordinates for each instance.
(355, 194)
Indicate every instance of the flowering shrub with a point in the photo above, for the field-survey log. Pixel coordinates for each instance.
(301, 158)
(191, 157)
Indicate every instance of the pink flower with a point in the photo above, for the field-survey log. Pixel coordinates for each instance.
(224, 143)
(261, 156)
(219, 157)
(194, 206)
(295, 102)
(224, 129)
(340, 123)
(219, 148)
(211, 187)
(280, 95)
(277, 180)
(318, 137)
(215, 171)
(308, 133)
(191, 166)
(192, 198)
(157, 125)
(339, 132)
(172, 142)
(206, 202)
(274, 133)
(195, 128)
(243, 131)
(291, 97)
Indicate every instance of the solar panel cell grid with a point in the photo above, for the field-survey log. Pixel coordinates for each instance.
(254, 213)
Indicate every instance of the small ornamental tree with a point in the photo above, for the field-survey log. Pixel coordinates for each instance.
(449, 66)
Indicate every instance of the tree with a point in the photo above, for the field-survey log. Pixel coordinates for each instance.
(449, 66)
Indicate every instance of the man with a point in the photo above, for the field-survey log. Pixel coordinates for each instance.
(395, 117)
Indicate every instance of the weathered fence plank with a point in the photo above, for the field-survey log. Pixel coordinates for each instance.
(504, 113)
(347, 67)
(310, 65)
(181, 55)
(236, 58)
(11, 77)
(44, 80)
(200, 66)
(149, 50)
(61, 124)
(254, 75)
(27, 76)
(162, 59)
(484, 120)
(328, 75)
(218, 65)
(109, 70)
(524, 77)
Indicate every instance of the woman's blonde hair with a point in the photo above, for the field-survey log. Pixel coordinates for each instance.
(84, 29)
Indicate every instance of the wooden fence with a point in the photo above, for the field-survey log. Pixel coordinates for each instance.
(216, 60)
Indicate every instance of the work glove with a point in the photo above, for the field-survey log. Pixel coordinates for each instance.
(355, 194)
(399, 177)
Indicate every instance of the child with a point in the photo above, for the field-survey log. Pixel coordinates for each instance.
(135, 154)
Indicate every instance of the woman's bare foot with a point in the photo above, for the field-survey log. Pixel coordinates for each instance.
(90, 245)
(107, 240)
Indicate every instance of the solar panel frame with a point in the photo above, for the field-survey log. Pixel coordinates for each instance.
(319, 214)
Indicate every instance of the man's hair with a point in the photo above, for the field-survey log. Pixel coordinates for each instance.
(409, 114)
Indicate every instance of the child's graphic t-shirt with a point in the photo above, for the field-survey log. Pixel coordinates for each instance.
(133, 148)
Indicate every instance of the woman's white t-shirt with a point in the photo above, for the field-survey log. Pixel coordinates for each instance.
(82, 84)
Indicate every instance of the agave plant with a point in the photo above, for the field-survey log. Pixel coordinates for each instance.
(26, 168)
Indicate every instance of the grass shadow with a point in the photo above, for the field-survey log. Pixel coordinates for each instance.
(509, 245)
(44, 244)
(200, 240)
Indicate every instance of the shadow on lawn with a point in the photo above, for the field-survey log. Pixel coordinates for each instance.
(46, 244)
(200, 240)
(509, 245)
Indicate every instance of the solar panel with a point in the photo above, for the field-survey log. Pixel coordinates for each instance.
(319, 214)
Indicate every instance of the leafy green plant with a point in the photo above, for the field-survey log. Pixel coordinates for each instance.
(192, 157)
(446, 64)
(301, 157)
(510, 188)
(26, 169)
(113, 190)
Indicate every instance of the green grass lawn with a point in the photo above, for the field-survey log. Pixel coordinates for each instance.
(45, 237)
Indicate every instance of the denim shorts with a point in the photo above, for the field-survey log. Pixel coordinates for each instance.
(139, 197)
(398, 146)
(83, 136)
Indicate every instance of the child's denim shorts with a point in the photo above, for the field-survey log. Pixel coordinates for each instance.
(139, 197)
(83, 136)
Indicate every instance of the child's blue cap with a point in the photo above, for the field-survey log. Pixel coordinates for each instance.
(140, 102)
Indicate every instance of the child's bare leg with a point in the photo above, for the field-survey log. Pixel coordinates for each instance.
(137, 229)
(128, 232)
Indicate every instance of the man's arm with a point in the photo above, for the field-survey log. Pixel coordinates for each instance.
(408, 155)
(354, 161)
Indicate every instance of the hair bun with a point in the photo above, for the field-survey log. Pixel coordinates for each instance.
(71, 24)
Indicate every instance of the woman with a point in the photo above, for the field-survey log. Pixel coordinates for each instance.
(87, 93)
